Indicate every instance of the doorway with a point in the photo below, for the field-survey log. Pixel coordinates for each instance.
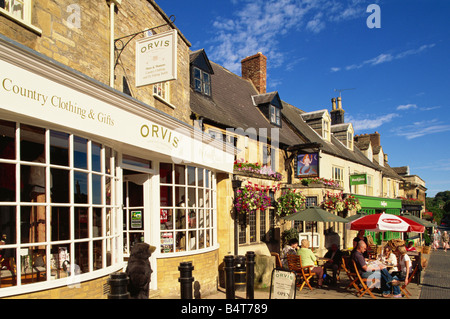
(136, 190)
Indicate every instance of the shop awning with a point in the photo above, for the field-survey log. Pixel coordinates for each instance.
(378, 202)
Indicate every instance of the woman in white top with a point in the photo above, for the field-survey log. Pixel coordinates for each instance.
(405, 264)
(387, 257)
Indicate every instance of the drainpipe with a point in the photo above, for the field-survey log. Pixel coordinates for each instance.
(112, 4)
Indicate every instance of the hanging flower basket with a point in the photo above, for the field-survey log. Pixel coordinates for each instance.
(290, 201)
(250, 198)
(352, 203)
(333, 202)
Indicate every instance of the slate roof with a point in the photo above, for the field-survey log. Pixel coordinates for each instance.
(231, 104)
(335, 147)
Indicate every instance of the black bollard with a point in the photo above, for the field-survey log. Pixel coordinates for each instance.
(118, 284)
(239, 273)
(186, 279)
(229, 276)
(250, 274)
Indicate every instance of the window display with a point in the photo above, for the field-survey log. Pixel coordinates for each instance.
(55, 197)
(187, 208)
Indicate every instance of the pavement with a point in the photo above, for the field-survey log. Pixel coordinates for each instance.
(434, 284)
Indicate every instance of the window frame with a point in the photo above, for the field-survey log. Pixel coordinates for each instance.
(25, 21)
(99, 211)
(274, 115)
(338, 177)
(201, 84)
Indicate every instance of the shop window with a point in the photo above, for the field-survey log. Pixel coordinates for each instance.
(187, 208)
(65, 199)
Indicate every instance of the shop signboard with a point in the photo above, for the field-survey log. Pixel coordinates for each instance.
(282, 285)
(307, 165)
(156, 58)
(378, 202)
(358, 179)
(45, 92)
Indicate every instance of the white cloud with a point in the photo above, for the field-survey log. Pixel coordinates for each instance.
(257, 24)
(406, 107)
(370, 122)
(385, 57)
(422, 128)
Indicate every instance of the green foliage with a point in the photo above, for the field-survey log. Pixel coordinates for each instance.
(439, 205)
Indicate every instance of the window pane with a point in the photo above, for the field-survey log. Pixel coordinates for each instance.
(7, 225)
(200, 177)
(180, 219)
(166, 195)
(166, 219)
(60, 261)
(96, 157)
(180, 175)
(97, 222)
(108, 157)
(98, 254)
(81, 258)
(81, 222)
(165, 172)
(33, 224)
(32, 265)
(180, 241)
(191, 176)
(80, 187)
(59, 148)
(8, 265)
(7, 182)
(167, 242)
(32, 141)
(192, 240)
(7, 140)
(180, 196)
(80, 152)
(96, 189)
(60, 223)
(60, 189)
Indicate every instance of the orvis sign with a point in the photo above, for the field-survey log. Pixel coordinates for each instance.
(156, 58)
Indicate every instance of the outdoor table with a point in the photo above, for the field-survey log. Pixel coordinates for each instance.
(321, 261)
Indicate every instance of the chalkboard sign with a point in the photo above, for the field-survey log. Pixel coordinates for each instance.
(282, 284)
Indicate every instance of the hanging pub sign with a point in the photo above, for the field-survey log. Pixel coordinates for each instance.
(358, 179)
(156, 58)
(307, 165)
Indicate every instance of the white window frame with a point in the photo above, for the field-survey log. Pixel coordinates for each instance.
(326, 129)
(275, 115)
(109, 236)
(161, 91)
(25, 19)
(201, 84)
(337, 173)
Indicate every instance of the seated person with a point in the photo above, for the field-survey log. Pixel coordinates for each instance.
(336, 259)
(410, 246)
(309, 259)
(290, 248)
(387, 256)
(388, 283)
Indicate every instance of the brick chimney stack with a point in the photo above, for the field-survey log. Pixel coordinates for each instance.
(254, 68)
(375, 139)
(337, 114)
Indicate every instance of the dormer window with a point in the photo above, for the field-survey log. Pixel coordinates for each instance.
(202, 81)
(350, 140)
(326, 129)
(275, 115)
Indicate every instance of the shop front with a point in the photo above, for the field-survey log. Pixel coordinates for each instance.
(376, 205)
(86, 172)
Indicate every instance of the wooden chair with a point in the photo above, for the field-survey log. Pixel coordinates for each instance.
(403, 288)
(303, 273)
(351, 274)
(363, 282)
(278, 263)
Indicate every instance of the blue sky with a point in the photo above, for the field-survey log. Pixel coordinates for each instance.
(395, 79)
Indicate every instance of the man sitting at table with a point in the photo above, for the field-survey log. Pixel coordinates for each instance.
(388, 282)
(335, 256)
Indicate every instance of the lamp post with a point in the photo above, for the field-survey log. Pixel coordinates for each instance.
(236, 184)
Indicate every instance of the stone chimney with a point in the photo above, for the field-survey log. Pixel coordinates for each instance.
(254, 68)
(337, 114)
(375, 139)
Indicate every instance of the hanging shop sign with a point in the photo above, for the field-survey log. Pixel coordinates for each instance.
(156, 58)
(307, 165)
(358, 179)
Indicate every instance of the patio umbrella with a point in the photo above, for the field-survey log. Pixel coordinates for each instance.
(419, 220)
(356, 216)
(385, 222)
(315, 214)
